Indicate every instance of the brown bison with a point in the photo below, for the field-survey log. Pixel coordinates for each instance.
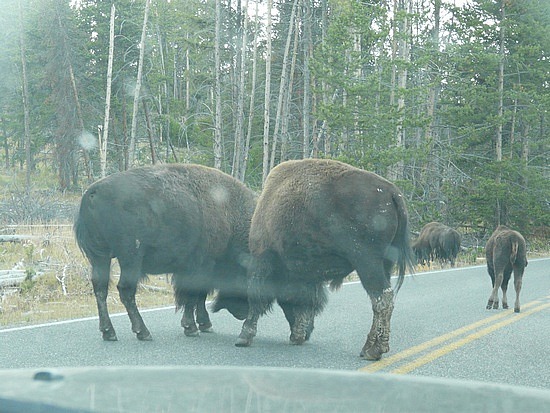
(316, 221)
(188, 220)
(437, 241)
(506, 252)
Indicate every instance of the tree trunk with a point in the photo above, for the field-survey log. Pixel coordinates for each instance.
(242, 172)
(150, 132)
(133, 130)
(104, 134)
(218, 91)
(238, 153)
(282, 87)
(267, 96)
(500, 207)
(285, 115)
(25, 96)
(306, 108)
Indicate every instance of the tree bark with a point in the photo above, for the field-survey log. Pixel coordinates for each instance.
(218, 91)
(306, 108)
(282, 87)
(133, 130)
(25, 96)
(238, 153)
(104, 133)
(267, 95)
(242, 172)
(499, 207)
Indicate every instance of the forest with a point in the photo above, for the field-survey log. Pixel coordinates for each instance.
(448, 99)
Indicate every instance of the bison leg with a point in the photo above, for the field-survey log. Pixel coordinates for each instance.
(303, 328)
(261, 294)
(493, 299)
(127, 286)
(194, 302)
(202, 314)
(375, 277)
(504, 288)
(100, 281)
(518, 280)
(189, 302)
(378, 338)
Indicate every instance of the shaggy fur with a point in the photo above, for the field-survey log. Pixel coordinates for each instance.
(506, 252)
(188, 220)
(437, 241)
(315, 222)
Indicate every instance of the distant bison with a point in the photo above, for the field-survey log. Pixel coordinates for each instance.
(437, 241)
(188, 220)
(506, 252)
(316, 221)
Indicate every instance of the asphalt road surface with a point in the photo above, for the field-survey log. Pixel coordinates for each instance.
(440, 328)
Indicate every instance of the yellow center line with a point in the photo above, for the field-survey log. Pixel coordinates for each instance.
(388, 361)
(468, 339)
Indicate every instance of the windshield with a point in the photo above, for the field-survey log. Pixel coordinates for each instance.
(342, 190)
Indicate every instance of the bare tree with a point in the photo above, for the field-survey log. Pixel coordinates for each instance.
(267, 96)
(218, 90)
(251, 108)
(499, 208)
(133, 130)
(283, 85)
(25, 96)
(238, 153)
(104, 133)
(308, 47)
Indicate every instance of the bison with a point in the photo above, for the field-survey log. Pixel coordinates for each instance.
(506, 252)
(437, 241)
(315, 222)
(188, 220)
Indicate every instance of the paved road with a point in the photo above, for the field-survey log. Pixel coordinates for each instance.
(440, 328)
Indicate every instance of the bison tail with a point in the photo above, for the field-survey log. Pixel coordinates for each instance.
(514, 252)
(86, 238)
(401, 241)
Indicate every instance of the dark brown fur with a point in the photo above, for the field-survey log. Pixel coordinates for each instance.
(188, 220)
(437, 241)
(506, 252)
(315, 222)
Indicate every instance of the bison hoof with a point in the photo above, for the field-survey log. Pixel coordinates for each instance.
(144, 336)
(109, 335)
(297, 340)
(372, 353)
(206, 328)
(191, 331)
(243, 342)
(505, 306)
(516, 310)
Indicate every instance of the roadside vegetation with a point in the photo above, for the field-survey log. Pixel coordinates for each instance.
(56, 282)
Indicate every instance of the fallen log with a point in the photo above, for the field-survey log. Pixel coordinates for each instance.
(9, 278)
(17, 238)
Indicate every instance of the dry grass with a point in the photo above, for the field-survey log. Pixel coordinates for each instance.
(57, 285)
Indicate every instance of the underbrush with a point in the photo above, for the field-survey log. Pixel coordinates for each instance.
(57, 283)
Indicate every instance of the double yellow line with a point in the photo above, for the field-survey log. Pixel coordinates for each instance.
(494, 324)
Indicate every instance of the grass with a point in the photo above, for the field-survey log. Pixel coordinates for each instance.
(57, 284)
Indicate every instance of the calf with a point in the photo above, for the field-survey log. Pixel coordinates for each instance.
(506, 252)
